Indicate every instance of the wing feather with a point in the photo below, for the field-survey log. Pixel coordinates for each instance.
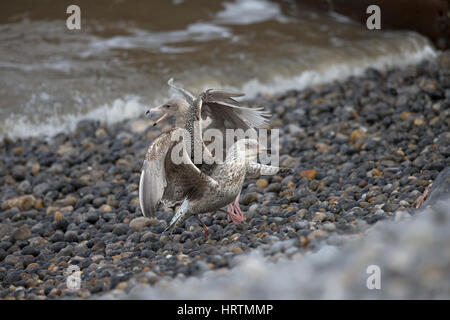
(189, 96)
(223, 106)
(219, 105)
(154, 175)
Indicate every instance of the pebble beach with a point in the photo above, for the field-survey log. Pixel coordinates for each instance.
(363, 150)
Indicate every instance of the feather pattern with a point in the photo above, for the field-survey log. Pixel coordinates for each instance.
(161, 180)
(219, 105)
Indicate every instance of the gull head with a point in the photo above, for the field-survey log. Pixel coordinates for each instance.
(172, 108)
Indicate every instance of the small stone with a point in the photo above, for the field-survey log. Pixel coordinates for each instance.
(141, 222)
(29, 250)
(98, 246)
(235, 236)
(419, 122)
(58, 216)
(61, 224)
(71, 236)
(356, 135)
(120, 229)
(3, 255)
(362, 183)
(249, 198)
(35, 169)
(376, 173)
(106, 208)
(68, 201)
(301, 225)
(23, 203)
(41, 189)
(52, 267)
(329, 226)
(302, 212)
(55, 292)
(92, 217)
(122, 286)
(404, 115)
(236, 250)
(262, 183)
(317, 234)
(81, 250)
(57, 236)
(39, 204)
(310, 174)
(404, 203)
(25, 186)
(319, 216)
(33, 265)
(274, 187)
(322, 147)
(19, 172)
(100, 133)
(23, 233)
(17, 150)
(149, 236)
(123, 163)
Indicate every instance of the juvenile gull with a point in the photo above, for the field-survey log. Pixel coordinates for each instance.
(228, 178)
(165, 183)
(162, 181)
(224, 113)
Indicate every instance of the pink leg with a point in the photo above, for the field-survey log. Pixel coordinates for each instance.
(231, 215)
(422, 198)
(240, 215)
(205, 228)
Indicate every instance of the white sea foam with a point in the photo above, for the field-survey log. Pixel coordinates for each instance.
(198, 31)
(120, 109)
(129, 107)
(250, 11)
(340, 71)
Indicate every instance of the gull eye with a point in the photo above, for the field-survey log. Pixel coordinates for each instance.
(167, 106)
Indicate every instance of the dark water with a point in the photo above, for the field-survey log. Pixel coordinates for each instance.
(120, 60)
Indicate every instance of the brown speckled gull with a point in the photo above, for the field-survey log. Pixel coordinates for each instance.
(189, 115)
(217, 107)
(228, 176)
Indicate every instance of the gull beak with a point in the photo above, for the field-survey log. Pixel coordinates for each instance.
(156, 111)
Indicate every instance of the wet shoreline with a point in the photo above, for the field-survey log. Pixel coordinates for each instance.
(120, 60)
(363, 150)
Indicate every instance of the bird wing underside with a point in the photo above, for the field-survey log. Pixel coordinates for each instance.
(155, 176)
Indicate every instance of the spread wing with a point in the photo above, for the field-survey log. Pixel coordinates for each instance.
(225, 112)
(154, 175)
(187, 95)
